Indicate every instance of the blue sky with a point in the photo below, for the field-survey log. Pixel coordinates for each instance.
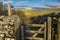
(32, 3)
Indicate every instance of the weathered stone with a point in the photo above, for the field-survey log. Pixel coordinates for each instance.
(8, 26)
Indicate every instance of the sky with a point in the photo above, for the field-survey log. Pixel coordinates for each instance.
(33, 3)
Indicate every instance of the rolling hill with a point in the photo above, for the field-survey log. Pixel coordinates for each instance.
(30, 13)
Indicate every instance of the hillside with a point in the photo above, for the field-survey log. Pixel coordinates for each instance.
(30, 13)
(26, 13)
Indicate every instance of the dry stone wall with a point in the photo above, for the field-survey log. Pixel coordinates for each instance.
(8, 27)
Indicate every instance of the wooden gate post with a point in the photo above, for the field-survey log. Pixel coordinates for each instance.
(9, 9)
(58, 29)
(22, 32)
(49, 28)
(45, 31)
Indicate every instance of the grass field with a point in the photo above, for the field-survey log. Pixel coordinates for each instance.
(30, 13)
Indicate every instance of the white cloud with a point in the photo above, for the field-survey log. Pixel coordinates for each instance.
(7, 1)
(21, 2)
(42, 1)
(53, 5)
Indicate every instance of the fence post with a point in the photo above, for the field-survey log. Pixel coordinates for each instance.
(58, 29)
(49, 28)
(22, 32)
(45, 31)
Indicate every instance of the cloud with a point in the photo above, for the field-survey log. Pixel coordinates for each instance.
(42, 0)
(21, 2)
(7, 1)
(53, 5)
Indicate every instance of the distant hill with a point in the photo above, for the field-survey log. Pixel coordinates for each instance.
(30, 12)
(34, 8)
